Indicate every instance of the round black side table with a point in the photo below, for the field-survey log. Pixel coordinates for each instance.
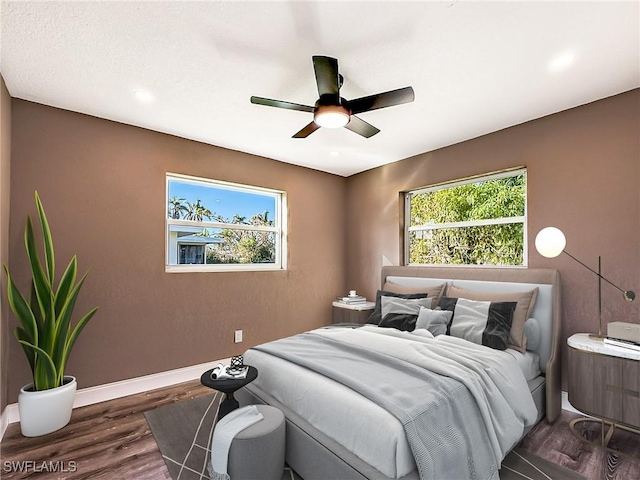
(228, 386)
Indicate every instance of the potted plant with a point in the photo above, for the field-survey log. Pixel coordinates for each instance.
(46, 333)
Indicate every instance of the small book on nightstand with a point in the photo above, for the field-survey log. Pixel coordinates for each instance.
(351, 299)
(619, 342)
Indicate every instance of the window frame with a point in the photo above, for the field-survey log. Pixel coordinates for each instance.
(279, 228)
(471, 223)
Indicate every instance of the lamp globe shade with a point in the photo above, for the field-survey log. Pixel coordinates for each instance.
(550, 242)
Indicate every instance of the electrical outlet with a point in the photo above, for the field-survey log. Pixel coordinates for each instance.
(238, 336)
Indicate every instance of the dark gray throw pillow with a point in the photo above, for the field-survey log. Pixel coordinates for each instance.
(482, 322)
(376, 317)
(401, 313)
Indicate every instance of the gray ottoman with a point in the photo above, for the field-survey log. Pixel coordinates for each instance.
(257, 452)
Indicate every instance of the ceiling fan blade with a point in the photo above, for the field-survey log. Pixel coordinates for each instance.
(382, 100)
(361, 127)
(281, 104)
(306, 131)
(327, 78)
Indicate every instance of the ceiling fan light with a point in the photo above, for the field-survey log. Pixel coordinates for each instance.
(331, 116)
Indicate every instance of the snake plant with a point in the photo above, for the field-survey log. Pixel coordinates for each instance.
(45, 332)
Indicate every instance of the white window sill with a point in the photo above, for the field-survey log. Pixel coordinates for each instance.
(221, 268)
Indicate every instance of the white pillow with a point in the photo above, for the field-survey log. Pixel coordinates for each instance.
(436, 321)
(533, 332)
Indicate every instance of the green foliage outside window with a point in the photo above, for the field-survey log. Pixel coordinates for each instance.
(488, 244)
(244, 246)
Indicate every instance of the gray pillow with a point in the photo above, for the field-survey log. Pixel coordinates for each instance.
(533, 333)
(436, 321)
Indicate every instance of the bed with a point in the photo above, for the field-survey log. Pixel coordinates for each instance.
(339, 426)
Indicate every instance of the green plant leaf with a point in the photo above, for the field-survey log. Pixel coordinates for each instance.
(64, 324)
(21, 309)
(66, 284)
(48, 330)
(21, 334)
(40, 280)
(47, 239)
(35, 307)
(73, 337)
(42, 377)
(46, 374)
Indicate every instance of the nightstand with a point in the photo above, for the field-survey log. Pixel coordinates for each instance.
(604, 382)
(345, 313)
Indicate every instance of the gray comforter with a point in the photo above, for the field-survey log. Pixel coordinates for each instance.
(462, 406)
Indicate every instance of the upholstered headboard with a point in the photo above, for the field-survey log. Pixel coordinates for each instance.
(547, 309)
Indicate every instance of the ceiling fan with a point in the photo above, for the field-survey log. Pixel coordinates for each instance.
(333, 111)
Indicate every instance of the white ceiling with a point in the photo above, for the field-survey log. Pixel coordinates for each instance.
(475, 67)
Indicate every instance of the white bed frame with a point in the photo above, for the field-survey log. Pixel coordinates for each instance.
(315, 456)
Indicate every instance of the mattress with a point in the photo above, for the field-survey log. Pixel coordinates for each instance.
(315, 398)
(529, 363)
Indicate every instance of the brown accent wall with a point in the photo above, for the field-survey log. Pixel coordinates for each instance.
(103, 187)
(583, 170)
(5, 178)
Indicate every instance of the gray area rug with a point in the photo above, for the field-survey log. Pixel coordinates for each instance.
(183, 432)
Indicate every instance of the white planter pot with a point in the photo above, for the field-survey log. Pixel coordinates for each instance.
(48, 410)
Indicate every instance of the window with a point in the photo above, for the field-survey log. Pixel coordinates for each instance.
(479, 221)
(220, 226)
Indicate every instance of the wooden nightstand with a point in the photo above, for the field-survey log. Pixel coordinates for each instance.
(344, 313)
(604, 382)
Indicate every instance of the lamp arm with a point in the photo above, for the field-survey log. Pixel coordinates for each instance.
(593, 271)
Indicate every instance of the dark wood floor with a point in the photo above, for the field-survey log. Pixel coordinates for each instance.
(111, 440)
(557, 444)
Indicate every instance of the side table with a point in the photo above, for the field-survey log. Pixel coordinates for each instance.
(358, 313)
(604, 382)
(228, 386)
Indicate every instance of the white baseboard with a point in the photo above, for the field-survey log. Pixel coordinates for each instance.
(123, 388)
(4, 422)
(10, 415)
(566, 405)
